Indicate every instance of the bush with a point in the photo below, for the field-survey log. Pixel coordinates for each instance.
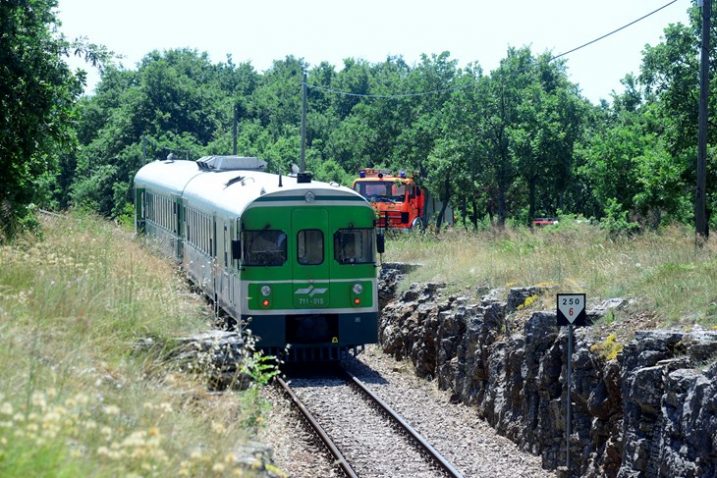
(616, 221)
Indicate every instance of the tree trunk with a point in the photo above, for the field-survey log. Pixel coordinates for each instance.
(474, 215)
(444, 206)
(501, 206)
(464, 213)
(531, 200)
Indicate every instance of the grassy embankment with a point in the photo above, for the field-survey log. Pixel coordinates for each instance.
(666, 275)
(75, 398)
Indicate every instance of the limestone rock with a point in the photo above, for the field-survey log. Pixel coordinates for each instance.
(651, 412)
(216, 354)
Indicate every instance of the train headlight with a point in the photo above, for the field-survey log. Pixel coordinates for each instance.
(357, 289)
(266, 291)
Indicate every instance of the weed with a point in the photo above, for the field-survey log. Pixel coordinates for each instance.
(530, 300)
(76, 398)
(672, 278)
(608, 349)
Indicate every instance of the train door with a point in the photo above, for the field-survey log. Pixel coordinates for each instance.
(213, 262)
(310, 264)
(226, 289)
(235, 231)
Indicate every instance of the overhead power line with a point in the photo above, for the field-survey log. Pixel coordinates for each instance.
(449, 90)
(613, 32)
(398, 95)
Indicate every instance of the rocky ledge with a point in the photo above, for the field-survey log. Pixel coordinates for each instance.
(649, 412)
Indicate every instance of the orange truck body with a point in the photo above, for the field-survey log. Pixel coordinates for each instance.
(398, 201)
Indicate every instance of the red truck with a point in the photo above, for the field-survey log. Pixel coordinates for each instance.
(398, 201)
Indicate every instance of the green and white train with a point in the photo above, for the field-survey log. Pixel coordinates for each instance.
(292, 258)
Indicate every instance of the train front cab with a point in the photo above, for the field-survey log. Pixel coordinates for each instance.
(309, 278)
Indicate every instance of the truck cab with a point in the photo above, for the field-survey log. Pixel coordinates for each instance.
(398, 201)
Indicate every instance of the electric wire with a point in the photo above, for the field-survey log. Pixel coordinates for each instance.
(398, 95)
(456, 88)
(613, 32)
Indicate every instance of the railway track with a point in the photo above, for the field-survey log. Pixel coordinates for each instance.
(363, 434)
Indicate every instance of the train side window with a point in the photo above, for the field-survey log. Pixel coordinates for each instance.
(310, 247)
(207, 241)
(192, 235)
(204, 233)
(264, 248)
(226, 245)
(200, 225)
(353, 246)
(188, 224)
(148, 205)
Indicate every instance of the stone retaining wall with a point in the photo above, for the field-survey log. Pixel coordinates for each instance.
(652, 412)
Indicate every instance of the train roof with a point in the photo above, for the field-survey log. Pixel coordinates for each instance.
(167, 176)
(232, 192)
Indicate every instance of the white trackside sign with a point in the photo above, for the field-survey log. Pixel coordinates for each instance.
(571, 309)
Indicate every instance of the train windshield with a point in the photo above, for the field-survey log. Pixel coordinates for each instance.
(353, 246)
(381, 191)
(310, 247)
(264, 248)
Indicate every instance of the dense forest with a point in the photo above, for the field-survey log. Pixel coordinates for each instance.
(502, 146)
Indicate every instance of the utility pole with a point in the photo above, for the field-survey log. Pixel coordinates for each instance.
(303, 124)
(701, 226)
(234, 129)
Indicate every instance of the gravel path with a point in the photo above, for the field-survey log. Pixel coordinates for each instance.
(453, 429)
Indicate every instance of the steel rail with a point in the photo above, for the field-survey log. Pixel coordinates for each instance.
(340, 459)
(432, 452)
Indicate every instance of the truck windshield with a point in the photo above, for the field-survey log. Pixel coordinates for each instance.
(353, 246)
(381, 191)
(264, 248)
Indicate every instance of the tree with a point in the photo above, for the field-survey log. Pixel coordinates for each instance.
(176, 102)
(549, 121)
(37, 95)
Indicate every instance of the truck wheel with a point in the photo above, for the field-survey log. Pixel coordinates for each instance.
(417, 224)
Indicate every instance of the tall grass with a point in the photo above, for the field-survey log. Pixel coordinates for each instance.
(663, 272)
(76, 398)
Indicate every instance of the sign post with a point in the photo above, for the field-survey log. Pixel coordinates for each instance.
(571, 311)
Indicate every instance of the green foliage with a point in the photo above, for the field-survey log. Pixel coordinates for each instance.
(261, 369)
(616, 221)
(37, 96)
(78, 396)
(513, 144)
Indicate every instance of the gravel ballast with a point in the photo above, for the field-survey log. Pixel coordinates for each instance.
(455, 430)
(296, 449)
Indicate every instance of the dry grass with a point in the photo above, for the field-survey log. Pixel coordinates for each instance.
(75, 399)
(663, 272)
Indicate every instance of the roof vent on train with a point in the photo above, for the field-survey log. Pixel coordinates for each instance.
(231, 163)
